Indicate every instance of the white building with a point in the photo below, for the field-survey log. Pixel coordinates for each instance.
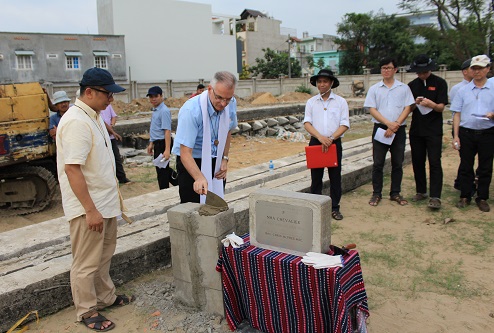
(170, 40)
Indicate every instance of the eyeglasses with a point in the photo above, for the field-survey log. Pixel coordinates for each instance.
(221, 99)
(384, 68)
(109, 94)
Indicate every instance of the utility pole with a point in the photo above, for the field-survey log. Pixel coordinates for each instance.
(289, 63)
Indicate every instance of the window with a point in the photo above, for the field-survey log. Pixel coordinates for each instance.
(73, 60)
(24, 60)
(252, 26)
(73, 63)
(100, 62)
(101, 59)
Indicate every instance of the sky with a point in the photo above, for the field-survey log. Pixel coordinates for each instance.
(64, 16)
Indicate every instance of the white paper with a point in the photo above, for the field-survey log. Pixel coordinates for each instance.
(381, 138)
(160, 162)
(424, 109)
(480, 116)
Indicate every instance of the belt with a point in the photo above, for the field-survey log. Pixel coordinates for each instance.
(476, 131)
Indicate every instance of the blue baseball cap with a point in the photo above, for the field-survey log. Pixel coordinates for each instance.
(155, 91)
(101, 78)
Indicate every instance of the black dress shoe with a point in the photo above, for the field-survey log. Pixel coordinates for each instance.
(483, 205)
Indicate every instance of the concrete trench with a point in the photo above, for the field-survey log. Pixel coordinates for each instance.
(35, 271)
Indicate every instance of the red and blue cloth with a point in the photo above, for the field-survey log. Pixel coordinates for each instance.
(277, 293)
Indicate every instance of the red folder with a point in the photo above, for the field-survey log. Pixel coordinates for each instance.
(317, 159)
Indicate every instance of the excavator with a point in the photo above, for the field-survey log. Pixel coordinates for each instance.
(27, 154)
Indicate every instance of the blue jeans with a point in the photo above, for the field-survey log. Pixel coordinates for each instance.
(379, 151)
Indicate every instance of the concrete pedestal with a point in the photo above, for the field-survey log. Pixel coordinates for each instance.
(195, 247)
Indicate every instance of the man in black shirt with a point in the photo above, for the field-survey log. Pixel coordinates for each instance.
(426, 131)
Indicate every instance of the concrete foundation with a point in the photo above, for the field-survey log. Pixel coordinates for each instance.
(196, 245)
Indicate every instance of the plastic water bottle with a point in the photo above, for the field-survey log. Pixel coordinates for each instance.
(271, 166)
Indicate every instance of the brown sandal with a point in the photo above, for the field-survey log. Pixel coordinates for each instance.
(374, 200)
(399, 199)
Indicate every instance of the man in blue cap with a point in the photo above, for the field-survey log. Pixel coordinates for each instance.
(160, 138)
(90, 198)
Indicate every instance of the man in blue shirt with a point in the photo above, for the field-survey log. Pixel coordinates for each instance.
(160, 139)
(202, 141)
(389, 103)
(473, 125)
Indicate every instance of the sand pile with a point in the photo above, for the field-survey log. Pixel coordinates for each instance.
(173, 102)
(294, 97)
(265, 98)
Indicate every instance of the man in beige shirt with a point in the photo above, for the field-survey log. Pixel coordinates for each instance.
(90, 197)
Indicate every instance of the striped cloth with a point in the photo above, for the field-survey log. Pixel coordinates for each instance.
(277, 293)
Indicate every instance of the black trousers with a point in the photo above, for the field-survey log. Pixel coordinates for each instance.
(379, 151)
(186, 182)
(481, 143)
(334, 176)
(163, 174)
(121, 176)
(429, 147)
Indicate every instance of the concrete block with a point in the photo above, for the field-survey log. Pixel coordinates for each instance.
(290, 222)
(244, 127)
(214, 301)
(271, 122)
(263, 123)
(271, 132)
(180, 254)
(292, 119)
(256, 125)
(282, 121)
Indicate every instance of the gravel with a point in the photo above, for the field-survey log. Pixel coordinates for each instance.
(155, 302)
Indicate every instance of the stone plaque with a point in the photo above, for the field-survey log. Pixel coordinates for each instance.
(290, 222)
(283, 225)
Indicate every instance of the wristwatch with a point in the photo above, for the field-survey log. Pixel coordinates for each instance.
(226, 158)
(331, 137)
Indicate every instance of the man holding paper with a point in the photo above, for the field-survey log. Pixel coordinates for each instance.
(426, 131)
(389, 104)
(202, 141)
(326, 119)
(160, 139)
(473, 126)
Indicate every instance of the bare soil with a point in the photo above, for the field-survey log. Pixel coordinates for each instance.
(425, 271)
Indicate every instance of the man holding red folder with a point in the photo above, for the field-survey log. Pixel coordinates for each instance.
(326, 119)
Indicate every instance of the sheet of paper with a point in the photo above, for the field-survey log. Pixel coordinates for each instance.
(381, 138)
(480, 116)
(424, 109)
(160, 162)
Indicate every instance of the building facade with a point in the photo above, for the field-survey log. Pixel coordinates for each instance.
(170, 40)
(60, 58)
(308, 46)
(258, 31)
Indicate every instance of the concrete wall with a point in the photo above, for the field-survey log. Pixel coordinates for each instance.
(246, 88)
(49, 60)
(167, 39)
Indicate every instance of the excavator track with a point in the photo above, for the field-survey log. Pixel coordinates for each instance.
(25, 189)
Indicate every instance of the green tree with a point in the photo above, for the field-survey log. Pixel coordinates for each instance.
(245, 73)
(320, 63)
(353, 36)
(462, 29)
(310, 61)
(273, 64)
(367, 38)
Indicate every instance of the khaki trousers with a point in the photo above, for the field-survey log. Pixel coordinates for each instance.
(92, 287)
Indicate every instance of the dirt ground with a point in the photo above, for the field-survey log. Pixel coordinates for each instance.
(421, 273)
